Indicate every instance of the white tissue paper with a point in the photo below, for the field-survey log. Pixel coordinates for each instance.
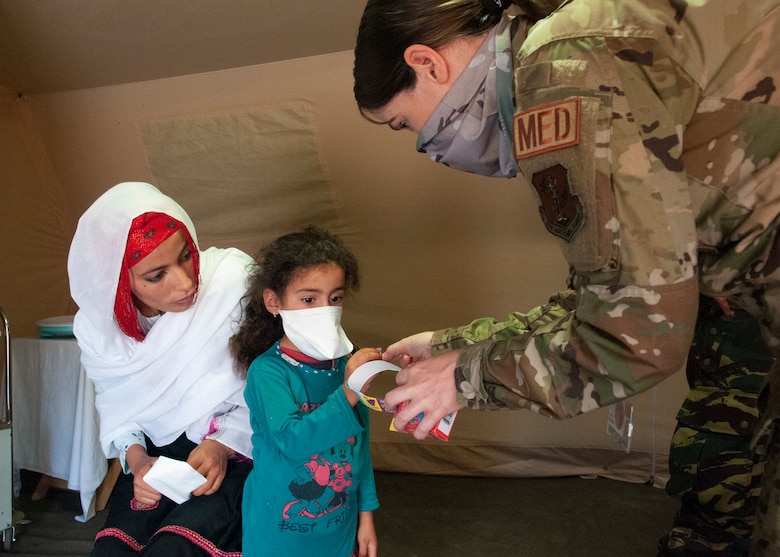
(174, 478)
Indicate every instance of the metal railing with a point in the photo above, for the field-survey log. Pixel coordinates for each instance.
(5, 407)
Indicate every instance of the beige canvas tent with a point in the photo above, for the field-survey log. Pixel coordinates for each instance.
(242, 110)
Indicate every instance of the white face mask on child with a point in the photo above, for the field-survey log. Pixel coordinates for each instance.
(317, 332)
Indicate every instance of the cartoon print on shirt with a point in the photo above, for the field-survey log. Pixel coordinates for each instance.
(341, 470)
(321, 486)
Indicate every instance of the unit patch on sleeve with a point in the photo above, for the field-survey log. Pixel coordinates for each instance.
(560, 208)
(547, 127)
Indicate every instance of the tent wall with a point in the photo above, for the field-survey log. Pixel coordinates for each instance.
(437, 247)
(35, 223)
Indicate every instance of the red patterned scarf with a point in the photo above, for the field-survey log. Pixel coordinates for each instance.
(147, 232)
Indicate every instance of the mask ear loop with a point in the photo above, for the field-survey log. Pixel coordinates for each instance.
(496, 7)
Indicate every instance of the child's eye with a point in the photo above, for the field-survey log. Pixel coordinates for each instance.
(307, 300)
(336, 299)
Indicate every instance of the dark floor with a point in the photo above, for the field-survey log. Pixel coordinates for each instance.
(439, 516)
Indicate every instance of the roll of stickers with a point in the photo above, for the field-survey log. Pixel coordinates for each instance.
(361, 376)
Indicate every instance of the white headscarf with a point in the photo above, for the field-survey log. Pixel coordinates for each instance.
(181, 376)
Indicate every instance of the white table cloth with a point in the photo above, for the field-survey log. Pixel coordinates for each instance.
(55, 424)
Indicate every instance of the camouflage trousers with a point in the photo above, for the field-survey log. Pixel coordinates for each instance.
(718, 481)
(713, 469)
(766, 536)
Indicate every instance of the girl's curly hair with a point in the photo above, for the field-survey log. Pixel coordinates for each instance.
(276, 266)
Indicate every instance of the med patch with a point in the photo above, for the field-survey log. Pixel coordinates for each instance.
(547, 127)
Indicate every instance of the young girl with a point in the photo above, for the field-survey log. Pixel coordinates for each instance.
(312, 491)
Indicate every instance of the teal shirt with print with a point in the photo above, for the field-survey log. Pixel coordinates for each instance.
(312, 465)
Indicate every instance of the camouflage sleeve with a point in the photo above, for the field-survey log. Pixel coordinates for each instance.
(598, 135)
(490, 329)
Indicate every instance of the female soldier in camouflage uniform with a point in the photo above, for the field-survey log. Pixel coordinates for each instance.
(647, 129)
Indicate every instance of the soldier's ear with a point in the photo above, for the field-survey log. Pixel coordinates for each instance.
(427, 63)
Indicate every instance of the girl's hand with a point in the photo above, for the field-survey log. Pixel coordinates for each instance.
(361, 357)
(358, 359)
(366, 535)
(210, 458)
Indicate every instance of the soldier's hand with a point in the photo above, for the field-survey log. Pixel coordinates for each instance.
(428, 387)
(411, 349)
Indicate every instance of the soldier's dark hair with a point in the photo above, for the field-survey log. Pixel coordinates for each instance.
(388, 27)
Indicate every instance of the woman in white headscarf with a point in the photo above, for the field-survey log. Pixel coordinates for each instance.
(155, 315)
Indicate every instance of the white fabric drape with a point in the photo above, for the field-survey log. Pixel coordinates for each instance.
(181, 376)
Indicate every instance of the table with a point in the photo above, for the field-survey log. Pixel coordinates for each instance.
(55, 423)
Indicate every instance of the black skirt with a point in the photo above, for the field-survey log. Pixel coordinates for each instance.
(208, 525)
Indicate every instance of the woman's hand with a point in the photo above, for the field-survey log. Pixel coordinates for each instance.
(428, 387)
(139, 464)
(358, 359)
(210, 458)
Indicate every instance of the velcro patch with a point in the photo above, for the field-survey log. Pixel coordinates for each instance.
(560, 208)
(547, 127)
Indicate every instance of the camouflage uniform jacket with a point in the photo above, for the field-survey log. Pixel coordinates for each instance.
(649, 130)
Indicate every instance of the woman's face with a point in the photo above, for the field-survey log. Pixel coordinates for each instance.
(409, 109)
(436, 71)
(165, 279)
